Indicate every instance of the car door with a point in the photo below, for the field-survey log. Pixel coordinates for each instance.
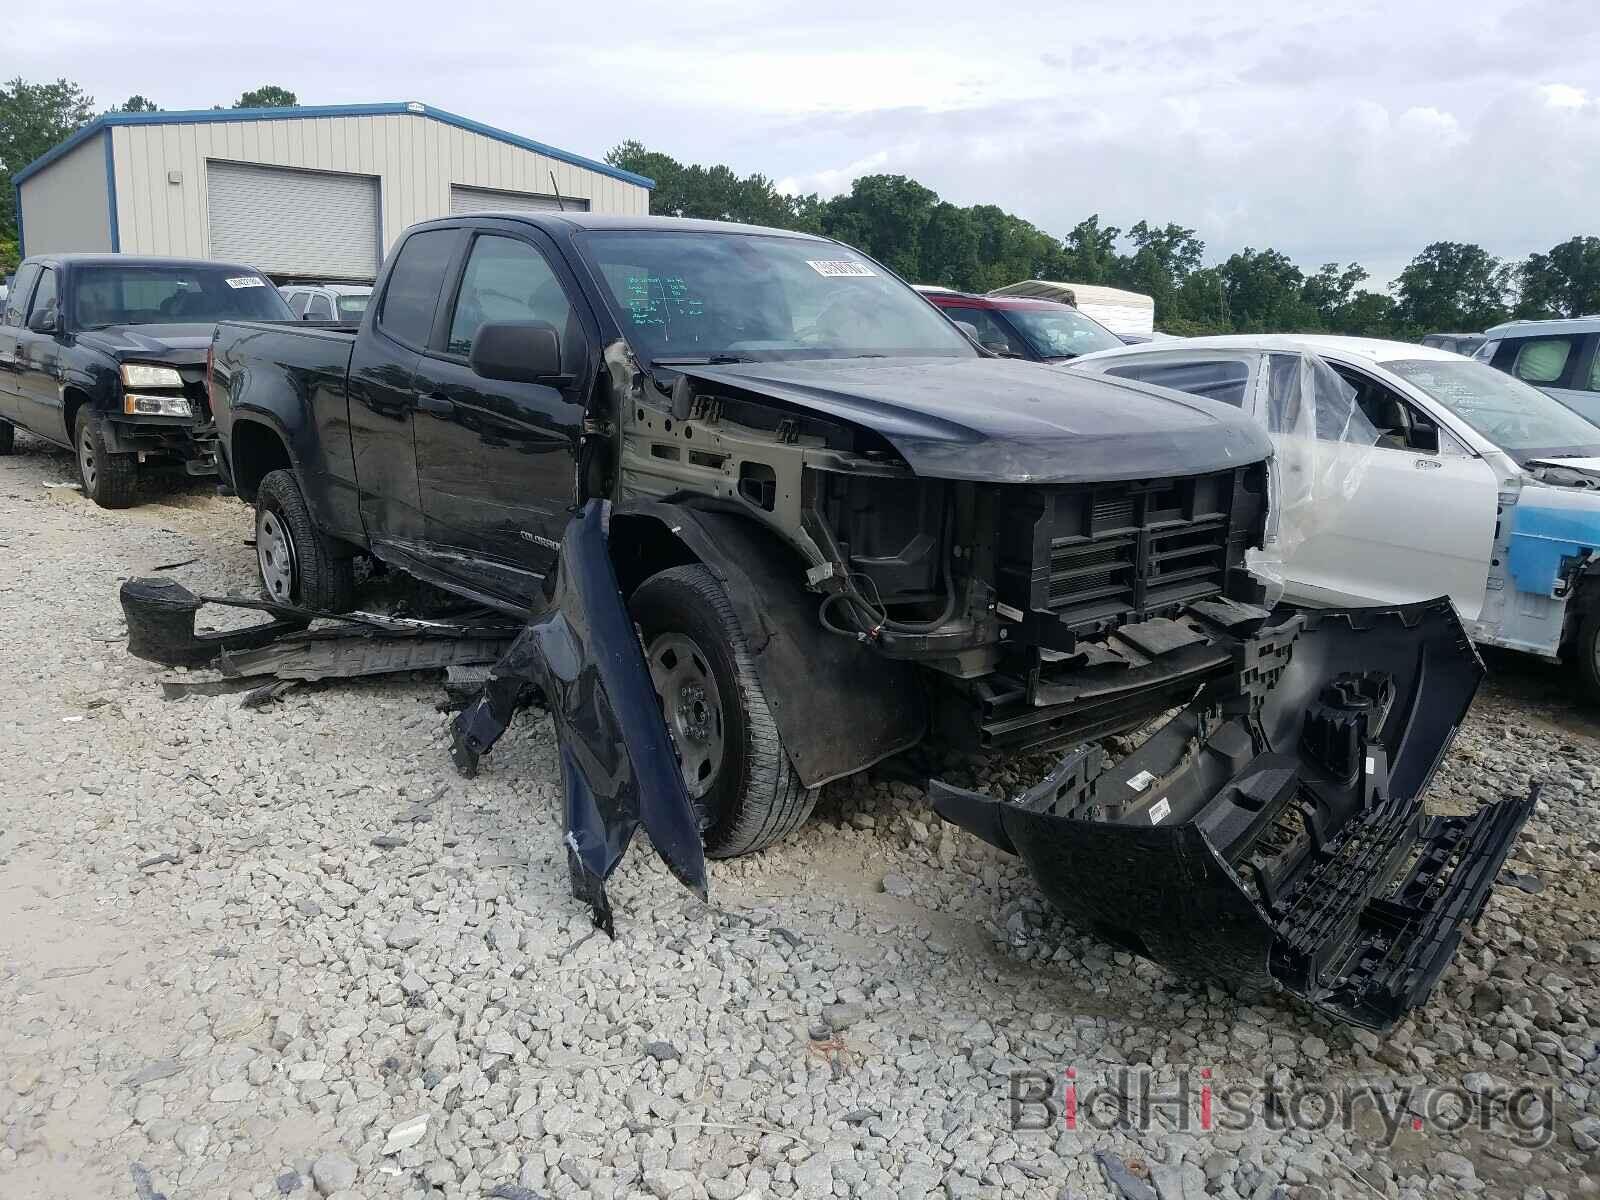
(1418, 522)
(11, 329)
(382, 401)
(497, 460)
(39, 367)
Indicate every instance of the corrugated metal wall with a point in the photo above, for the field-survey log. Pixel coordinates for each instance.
(65, 207)
(415, 157)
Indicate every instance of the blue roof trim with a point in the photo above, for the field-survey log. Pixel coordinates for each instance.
(111, 195)
(205, 116)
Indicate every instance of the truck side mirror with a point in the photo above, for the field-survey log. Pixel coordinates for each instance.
(46, 320)
(517, 351)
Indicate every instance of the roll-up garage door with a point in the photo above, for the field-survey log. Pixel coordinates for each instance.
(470, 199)
(294, 222)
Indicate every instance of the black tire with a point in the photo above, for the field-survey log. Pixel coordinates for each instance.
(8, 437)
(110, 480)
(313, 575)
(1586, 655)
(754, 797)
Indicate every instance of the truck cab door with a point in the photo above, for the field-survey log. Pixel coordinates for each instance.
(1419, 524)
(11, 331)
(497, 460)
(38, 377)
(382, 397)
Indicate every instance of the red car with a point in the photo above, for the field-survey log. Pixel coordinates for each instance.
(1038, 330)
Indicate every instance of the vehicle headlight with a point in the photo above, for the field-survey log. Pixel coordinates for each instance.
(145, 375)
(155, 406)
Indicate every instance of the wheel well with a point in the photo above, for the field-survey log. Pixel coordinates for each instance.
(642, 546)
(71, 401)
(256, 450)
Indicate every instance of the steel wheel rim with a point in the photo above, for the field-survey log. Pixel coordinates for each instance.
(86, 466)
(692, 705)
(275, 556)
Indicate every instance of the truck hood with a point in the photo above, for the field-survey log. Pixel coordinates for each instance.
(175, 345)
(1003, 421)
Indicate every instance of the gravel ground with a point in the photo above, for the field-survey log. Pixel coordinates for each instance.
(217, 985)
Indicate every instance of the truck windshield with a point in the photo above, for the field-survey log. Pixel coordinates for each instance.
(1061, 332)
(1518, 418)
(754, 296)
(148, 294)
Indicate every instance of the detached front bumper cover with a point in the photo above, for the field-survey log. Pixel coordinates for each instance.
(1273, 831)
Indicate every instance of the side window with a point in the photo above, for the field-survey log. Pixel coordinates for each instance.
(1224, 379)
(414, 284)
(1400, 424)
(320, 308)
(508, 280)
(44, 296)
(297, 303)
(1542, 360)
(17, 298)
(991, 330)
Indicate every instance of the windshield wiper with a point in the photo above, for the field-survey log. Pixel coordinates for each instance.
(699, 360)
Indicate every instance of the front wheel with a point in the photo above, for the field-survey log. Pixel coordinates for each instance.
(737, 771)
(1587, 653)
(296, 562)
(110, 480)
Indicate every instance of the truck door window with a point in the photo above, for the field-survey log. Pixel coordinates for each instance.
(1223, 379)
(44, 296)
(1542, 360)
(990, 329)
(508, 280)
(415, 281)
(298, 302)
(17, 298)
(319, 308)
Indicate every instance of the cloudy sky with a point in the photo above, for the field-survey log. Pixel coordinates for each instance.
(1348, 129)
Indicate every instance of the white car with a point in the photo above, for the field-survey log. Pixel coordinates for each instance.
(1470, 483)
(327, 301)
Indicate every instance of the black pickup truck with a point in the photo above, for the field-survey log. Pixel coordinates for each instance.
(105, 354)
(841, 530)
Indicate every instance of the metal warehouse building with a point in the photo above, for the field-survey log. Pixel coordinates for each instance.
(297, 192)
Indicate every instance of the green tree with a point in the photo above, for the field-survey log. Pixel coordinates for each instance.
(268, 95)
(1330, 290)
(1090, 252)
(1368, 314)
(1564, 282)
(137, 104)
(886, 216)
(1163, 257)
(10, 256)
(1263, 292)
(33, 118)
(1452, 286)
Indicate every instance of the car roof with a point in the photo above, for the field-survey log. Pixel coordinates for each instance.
(554, 221)
(972, 300)
(1376, 350)
(1586, 324)
(138, 260)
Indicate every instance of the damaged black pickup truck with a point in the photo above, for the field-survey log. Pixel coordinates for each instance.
(755, 474)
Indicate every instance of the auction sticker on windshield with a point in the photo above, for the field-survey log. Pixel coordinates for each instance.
(843, 268)
(244, 281)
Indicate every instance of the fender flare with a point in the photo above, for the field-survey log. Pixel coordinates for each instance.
(839, 706)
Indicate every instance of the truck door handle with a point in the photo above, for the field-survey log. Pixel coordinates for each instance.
(439, 406)
(1428, 464)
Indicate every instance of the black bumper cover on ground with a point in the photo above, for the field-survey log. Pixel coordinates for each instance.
(1274, 831)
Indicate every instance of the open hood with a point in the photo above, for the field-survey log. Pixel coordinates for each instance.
(1003, 421)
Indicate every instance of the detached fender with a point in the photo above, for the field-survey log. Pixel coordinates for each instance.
(840, 707)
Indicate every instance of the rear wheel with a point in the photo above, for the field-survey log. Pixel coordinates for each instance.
(734, 764)
(110, 480)
(297, 564)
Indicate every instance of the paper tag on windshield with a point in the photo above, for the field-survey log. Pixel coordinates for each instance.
(1160, 811)
(840, 268)
(1142, 780)
(244, 281)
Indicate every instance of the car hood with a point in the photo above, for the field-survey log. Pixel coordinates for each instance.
(1003, 421)
(177, 345)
